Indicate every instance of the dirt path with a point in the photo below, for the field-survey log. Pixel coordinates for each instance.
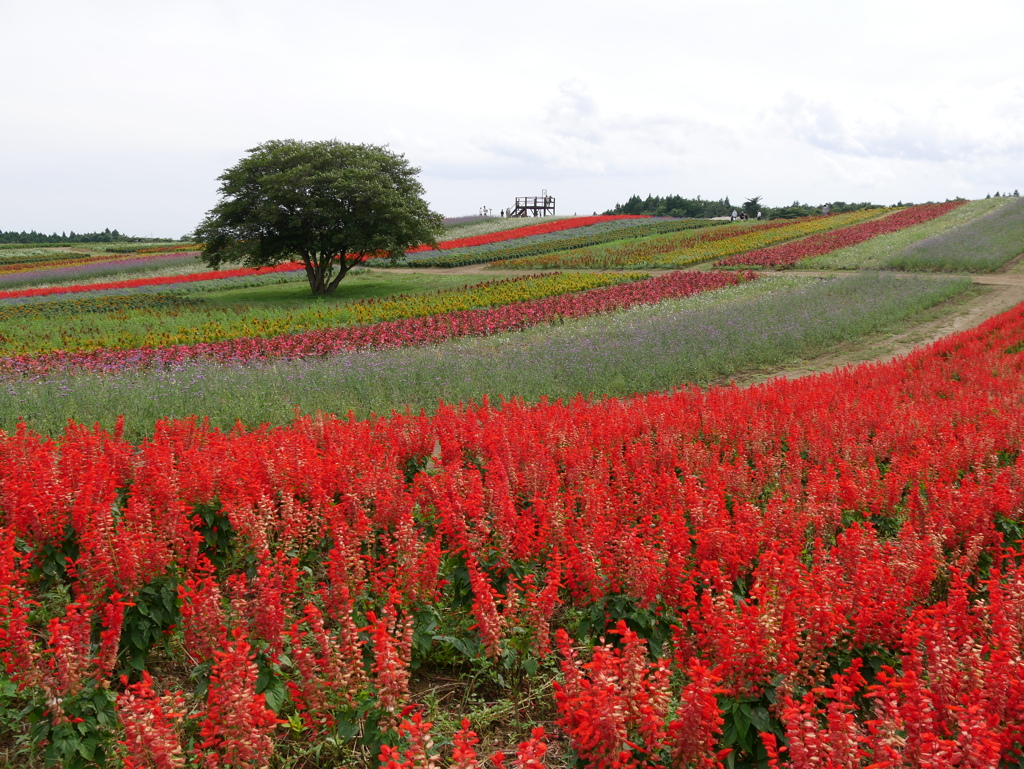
(1001, 291)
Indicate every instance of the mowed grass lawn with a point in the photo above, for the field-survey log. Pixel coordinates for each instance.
(359, 285)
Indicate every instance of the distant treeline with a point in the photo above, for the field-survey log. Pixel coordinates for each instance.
(697, 208)
(34, 238)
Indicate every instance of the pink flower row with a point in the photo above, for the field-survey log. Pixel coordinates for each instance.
(390, 334)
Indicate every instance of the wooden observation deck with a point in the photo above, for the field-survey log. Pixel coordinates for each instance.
(544, 205)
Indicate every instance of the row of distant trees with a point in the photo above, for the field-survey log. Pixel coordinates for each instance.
(698, 208)
(33, 237)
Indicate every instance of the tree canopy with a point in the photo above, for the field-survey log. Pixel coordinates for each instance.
(674, 205)
(330, 204)
(33, 237)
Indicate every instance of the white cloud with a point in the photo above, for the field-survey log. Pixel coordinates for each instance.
(135, 108)
(942, 127)
(575, 137)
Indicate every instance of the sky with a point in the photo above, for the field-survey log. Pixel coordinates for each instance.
(122, 114)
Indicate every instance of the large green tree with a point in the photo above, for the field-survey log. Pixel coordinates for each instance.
(329, 203)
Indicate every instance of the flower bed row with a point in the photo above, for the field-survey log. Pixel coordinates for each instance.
(93, 305)
(166, 280)
(523, 232)
(982, 245)
(167, 248)
(27, 260)
(77, 273)
(43, 269)
(183, 248)
(686, 249)
(260, 278)
(602, 232)
(625, 253)
(75, 268)
(398, 333)
(126, 326)
(827, 571)
(823, 243)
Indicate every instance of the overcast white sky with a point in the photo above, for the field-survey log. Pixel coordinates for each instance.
(122, 114)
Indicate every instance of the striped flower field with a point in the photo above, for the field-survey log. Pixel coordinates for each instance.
(391, 323)
(826, 242)
(500, 251)
(685, 249)
(244, 527)
(845, 544)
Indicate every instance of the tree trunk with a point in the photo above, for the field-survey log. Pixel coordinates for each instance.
(320, 272)
(343, 268)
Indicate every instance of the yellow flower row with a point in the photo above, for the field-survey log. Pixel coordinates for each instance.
(761, 238)
(128, 330)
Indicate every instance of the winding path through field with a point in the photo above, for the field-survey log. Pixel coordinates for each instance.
(1006, 290)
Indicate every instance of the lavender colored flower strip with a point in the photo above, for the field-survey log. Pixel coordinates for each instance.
(390, 334)
(983, 245)
(77, 271)
(218, 284)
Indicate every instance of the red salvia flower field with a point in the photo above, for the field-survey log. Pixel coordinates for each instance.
(814, 573)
